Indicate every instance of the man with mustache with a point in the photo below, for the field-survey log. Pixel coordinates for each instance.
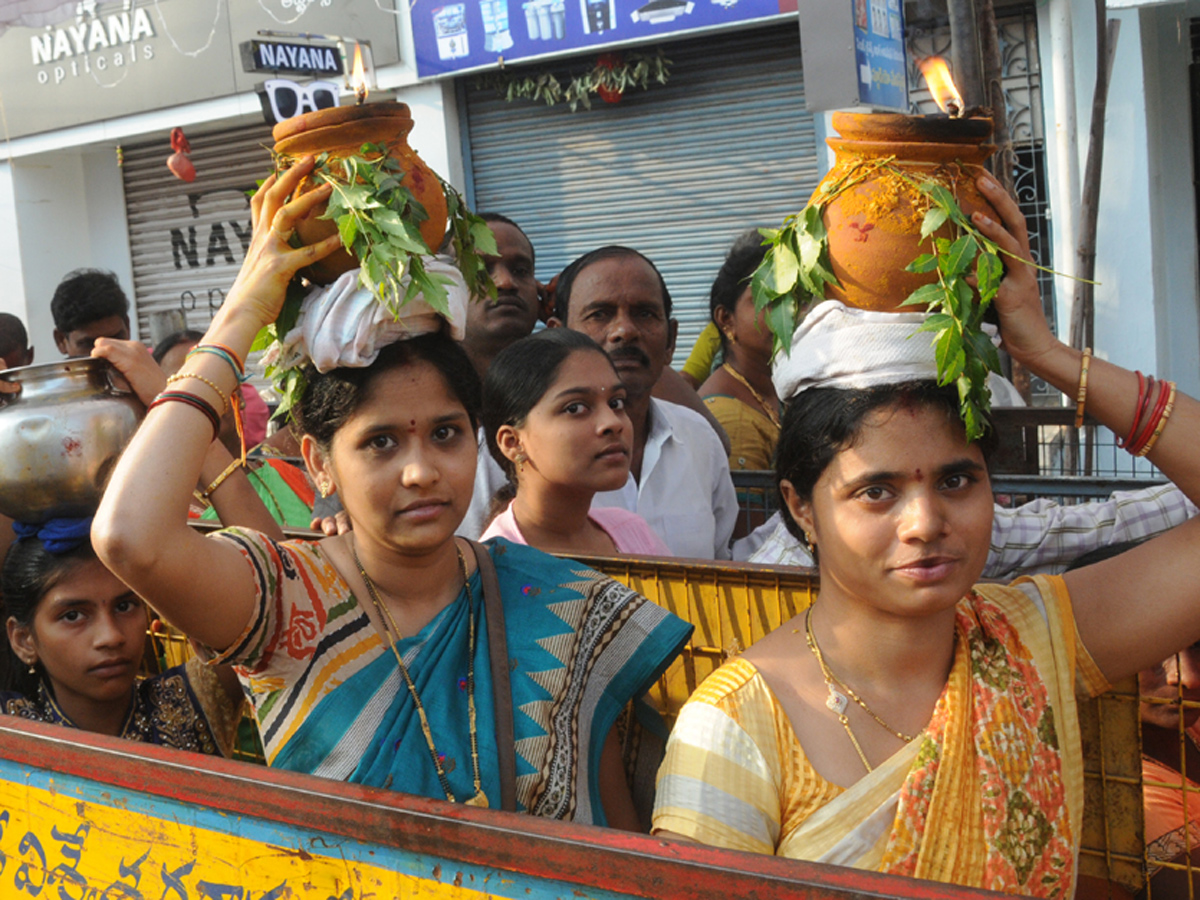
(679, 478)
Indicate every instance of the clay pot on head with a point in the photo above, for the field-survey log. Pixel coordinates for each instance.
(875, 226)
(342, 131)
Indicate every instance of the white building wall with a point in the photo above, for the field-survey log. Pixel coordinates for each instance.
(1166, 55)
(1146, 301)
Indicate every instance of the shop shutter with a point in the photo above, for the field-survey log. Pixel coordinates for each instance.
(676, 171)
(188, 240)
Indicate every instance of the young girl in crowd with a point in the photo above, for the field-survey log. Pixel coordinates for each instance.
(554, 416)
(76, 637)
(381, 656)
(912, 721)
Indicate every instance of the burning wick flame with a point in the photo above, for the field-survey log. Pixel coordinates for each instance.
(358, 78)
(941, 85)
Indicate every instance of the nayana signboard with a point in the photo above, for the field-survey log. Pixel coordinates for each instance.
(456, 35)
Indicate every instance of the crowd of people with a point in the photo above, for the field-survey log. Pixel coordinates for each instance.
(913, 720)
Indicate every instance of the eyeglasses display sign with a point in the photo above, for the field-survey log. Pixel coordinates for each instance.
(283, 99)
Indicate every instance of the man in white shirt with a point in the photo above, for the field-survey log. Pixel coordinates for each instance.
(679, 478)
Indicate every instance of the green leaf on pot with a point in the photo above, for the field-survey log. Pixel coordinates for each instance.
(786, 268)
(959, 256)
(934, 219)
(990, 270)
(925, 295)
(924, 263)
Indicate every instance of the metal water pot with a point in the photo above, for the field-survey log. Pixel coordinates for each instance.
(60, 437)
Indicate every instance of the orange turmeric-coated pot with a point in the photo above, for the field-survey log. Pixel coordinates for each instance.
(341, 131)
(874, 226)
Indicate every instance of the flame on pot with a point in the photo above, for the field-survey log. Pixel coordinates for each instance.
(941, 85)
(358, 77)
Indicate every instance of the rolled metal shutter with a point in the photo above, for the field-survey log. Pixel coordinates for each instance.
(677, 171)
(188, 240)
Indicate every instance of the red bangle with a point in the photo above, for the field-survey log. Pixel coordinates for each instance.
(1160, 404)
(193, 401)
(1138, 411)
(237, 359)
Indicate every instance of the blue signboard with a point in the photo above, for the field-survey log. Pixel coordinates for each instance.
(879, 51)
(457, 35)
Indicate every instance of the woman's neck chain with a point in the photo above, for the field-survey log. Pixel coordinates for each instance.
(394, 637)
(771, 411)
(837, 701)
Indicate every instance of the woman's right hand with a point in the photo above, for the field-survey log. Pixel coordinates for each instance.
(271, 261)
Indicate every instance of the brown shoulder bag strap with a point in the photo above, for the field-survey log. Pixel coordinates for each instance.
(506, 742)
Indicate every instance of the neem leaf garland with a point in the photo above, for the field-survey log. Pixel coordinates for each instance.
(379, 222)
(796, 269)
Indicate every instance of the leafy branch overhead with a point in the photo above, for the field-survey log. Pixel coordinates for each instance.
(379, 222)
(796, 270)
(611, 76)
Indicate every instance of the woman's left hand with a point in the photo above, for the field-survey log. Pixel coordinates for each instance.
(133, 360)
(1023, 327)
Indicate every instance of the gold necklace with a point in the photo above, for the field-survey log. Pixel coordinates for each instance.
(393, 632)
(772, 413)
(836, 701)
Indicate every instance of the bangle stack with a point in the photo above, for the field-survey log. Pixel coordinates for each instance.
(231, 401)
(1156, 400)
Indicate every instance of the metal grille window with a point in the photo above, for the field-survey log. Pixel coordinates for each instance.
(1022, 83)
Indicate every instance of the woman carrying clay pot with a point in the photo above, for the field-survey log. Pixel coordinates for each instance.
(378, 656)
(913, 721)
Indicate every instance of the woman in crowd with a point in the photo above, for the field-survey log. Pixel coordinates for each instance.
(912, 721)
(554, 416)
(739, 392)
(76, 634)
(378, 656)
(76, 637)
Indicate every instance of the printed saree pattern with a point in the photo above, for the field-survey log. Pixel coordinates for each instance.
(330, 699)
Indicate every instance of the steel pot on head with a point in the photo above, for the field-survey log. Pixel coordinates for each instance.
(61, 435)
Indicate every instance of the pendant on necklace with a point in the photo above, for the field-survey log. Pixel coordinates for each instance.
(836, 701)
(480, 800)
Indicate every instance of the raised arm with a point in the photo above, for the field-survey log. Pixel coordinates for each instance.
(1134, 611)
(140, 532)
(236, 501)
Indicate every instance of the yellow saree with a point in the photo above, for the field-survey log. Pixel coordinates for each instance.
(989, 795)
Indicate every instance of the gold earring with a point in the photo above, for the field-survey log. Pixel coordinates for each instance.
(324, 488)
(520, 461)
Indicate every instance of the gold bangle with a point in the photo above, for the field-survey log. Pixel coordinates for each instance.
(181, 376)
(220, 479)
(1162, 422)
(1081, 397)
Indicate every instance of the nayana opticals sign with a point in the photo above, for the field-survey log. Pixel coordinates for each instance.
(457, 35)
